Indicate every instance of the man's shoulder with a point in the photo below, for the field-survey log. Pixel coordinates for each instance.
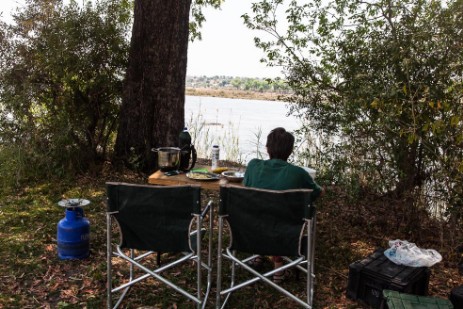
(255, 162)
(296, 168)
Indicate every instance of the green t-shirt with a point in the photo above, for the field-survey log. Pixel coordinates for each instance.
(276, 174)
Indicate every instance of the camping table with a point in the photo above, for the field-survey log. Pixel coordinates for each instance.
(158, 178)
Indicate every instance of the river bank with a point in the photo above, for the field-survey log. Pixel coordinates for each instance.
(234, 94)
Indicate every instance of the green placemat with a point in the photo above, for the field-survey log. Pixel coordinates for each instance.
(200, 170)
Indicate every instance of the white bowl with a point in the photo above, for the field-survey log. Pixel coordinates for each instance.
(233, 176)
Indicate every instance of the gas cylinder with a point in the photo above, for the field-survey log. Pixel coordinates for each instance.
(73, 235)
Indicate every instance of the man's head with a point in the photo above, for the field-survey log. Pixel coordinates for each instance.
(280, 144)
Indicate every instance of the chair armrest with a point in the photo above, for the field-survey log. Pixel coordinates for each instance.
(311, 211)
(207, 209)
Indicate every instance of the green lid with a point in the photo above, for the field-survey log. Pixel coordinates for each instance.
(396, 300)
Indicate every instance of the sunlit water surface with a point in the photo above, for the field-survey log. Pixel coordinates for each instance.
(231, 122)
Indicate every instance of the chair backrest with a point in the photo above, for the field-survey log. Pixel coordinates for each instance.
(154, 218)
(265, 222)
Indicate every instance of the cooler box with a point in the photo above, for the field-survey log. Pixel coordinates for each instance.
(369, 277)
(396, 300)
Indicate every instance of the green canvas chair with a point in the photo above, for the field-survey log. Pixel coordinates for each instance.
(154, 220)
(396, 300)
(266, 223)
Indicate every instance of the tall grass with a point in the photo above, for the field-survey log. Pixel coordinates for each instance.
(308, 150)
(12, 165)
(258, 144)
(206, 134)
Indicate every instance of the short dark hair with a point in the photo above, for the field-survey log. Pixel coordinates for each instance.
(280, 144)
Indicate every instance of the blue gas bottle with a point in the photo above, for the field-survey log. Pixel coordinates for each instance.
(73, 231)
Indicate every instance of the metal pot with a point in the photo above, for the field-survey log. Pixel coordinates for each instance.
(168, 158)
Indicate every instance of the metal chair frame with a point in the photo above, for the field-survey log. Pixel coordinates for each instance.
(135, 258)
(303, 262)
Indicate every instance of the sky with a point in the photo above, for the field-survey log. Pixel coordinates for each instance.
(227, 46)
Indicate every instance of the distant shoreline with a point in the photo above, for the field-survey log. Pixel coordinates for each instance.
(234, 94)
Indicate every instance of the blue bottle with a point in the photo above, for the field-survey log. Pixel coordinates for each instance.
(73, 235)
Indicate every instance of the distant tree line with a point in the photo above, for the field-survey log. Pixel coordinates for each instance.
(277, 85)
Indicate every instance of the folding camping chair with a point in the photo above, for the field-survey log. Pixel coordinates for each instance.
(154, 220)
(266, 223)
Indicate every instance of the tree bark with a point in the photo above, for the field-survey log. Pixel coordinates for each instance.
(153, 104)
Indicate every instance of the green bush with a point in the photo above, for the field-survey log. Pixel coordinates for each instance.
(380, 84)
(61, 85)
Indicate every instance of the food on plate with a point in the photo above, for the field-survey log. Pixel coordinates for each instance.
(202, 176)
(219, 170)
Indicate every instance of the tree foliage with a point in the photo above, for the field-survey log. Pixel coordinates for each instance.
(61, 83)
(197, 17)
(381, 81)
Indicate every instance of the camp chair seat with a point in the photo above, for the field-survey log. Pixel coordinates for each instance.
(266, 223)
(157, 220)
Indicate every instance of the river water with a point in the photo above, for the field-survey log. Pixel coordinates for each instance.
(235, 125)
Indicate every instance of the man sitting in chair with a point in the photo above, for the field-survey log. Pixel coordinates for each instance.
(277, 174)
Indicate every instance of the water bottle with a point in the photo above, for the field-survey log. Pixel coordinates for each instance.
(215, 156)
(184, 143)
(184, 139)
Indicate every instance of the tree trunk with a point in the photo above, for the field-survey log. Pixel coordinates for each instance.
(153, 105)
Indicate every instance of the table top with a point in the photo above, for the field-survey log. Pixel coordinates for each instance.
(158, 178)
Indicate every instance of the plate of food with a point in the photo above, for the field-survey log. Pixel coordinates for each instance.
(203, 176)
(233, 176)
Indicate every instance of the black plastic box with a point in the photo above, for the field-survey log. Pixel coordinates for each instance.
(456, 296)
(369, 277)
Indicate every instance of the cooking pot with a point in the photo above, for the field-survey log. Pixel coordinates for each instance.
(168, 158)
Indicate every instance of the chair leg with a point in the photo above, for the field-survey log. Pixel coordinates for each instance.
(108, 262)
(309, 263)
(198, 258)
(311, 257)
(220, 256)
(209, 253)
(219, 263)
(109, 255)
